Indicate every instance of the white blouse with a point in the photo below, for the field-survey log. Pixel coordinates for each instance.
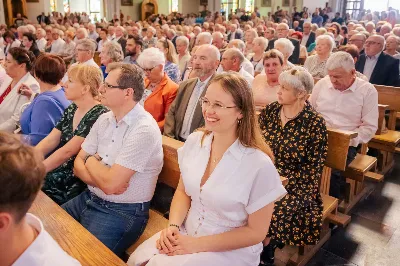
(244, 181)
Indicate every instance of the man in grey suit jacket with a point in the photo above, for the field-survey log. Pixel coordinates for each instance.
(185, 114)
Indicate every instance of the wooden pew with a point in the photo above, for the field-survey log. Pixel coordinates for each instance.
(96, 58)
(338, 145)
(71, 235)
(387, 141)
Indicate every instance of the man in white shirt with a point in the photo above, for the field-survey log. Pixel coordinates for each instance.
(103, 39)
(23, 240)
(184, 114)
(246, 64)
(120, 161)
(41, 40)
(232, 60)
(84, 53)
(308, 35)
(58, 43)
(81, 34)
(347, 103)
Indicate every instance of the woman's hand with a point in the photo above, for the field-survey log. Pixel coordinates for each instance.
(25, 90)
(184, 244)
(167, 239)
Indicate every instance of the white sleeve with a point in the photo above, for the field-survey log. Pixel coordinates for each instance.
(267, 188)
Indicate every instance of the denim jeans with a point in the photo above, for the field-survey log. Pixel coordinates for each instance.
(338, 181)
(117, 225)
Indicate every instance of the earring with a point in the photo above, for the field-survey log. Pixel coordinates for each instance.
(239, 121)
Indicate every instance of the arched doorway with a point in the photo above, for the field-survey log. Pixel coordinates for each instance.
(149, 7)
(12, 8)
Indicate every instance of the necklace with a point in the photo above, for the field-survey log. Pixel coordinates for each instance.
(290, 118)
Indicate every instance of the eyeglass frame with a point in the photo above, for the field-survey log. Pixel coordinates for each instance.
(108, 86)
(372, 43)
(201, 102)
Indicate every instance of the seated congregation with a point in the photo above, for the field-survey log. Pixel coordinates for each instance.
(86, 121)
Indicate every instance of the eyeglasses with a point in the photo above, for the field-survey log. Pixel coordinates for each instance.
(205, 103)
(81, 50)
(371, 43)
(108, 86)
(148, 69)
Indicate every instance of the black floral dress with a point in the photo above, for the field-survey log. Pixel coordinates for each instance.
(300, 150)
(60, 184)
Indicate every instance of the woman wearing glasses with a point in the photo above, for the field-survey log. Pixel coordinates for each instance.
(209, 225)
(160, 91)
(171, 64)
(298, 138)
(65, 140)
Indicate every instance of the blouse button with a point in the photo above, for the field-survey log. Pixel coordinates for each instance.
(112, 140)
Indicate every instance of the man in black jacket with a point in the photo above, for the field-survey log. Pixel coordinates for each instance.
(380, 68)
(43, 19)
(282, 31)
(308, 35)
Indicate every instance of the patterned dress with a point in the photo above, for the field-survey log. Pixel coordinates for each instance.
(60, 184)
(173, 72)
(300, 149)
(316, 67)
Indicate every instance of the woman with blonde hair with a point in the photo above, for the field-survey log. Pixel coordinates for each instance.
(171, 59)
(298, 137)
(207, 226)
(65, 140)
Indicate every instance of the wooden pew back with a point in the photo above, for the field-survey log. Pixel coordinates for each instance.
(170, 173)
(389, 96)
(96, 58)
(338, 146)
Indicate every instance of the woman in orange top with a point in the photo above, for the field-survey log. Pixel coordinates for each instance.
(160, 90)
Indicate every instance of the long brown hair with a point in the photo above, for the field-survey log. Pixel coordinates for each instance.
(171, 55)
(248, 129)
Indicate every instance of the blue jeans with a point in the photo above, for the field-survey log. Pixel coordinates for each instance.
(117, 225)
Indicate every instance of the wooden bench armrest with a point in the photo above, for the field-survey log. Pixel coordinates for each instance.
(351, 134)
(381, 119)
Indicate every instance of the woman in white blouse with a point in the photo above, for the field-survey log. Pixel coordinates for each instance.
(18, 63)
(259, 46)
(210, 225)
(182, 47)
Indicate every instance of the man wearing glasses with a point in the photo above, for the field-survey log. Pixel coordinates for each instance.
(378, 67)
(120, 161)
(359, 41)
(282, 31)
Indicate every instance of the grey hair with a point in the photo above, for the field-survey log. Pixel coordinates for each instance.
(84, 31)
(370, 23)
(114, 51)
(283, 24)
(238, 44)
(320, 31)
(87, 44)
(131, 76)
(172, 31)
(217, 33)
(340, 60)
(327, 38)
(206, 35)
(150, 28)
(183, 39)
(151, 57)
(298, 78)
(254, 32)
(42, 32)
(263, 41)
(289, 47)
(235, 53)
(31, 28)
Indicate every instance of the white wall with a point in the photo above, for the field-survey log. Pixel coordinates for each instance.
(190, 6)
(313, 4)
(163, 7)
(79, 5)
(35, 9)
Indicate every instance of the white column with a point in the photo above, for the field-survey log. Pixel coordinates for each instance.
(2, 15)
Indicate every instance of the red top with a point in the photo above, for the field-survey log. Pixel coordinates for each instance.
(5, 93)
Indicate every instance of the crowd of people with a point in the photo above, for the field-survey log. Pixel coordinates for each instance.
(232, 90)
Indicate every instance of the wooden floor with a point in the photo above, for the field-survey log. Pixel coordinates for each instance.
(373, 236)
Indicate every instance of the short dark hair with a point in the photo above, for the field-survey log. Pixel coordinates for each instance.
(137, 39)
(104, 29)
(49, 68)
(23, 56)
(131, 77)
(30, 36)
(21, 175)
(9, 34)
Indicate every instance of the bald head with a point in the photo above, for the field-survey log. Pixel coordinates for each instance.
(218, 40)
(232, 60)
(205, 61)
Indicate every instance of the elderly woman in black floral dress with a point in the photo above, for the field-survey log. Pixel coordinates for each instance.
(65, 140)
(298, 137)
